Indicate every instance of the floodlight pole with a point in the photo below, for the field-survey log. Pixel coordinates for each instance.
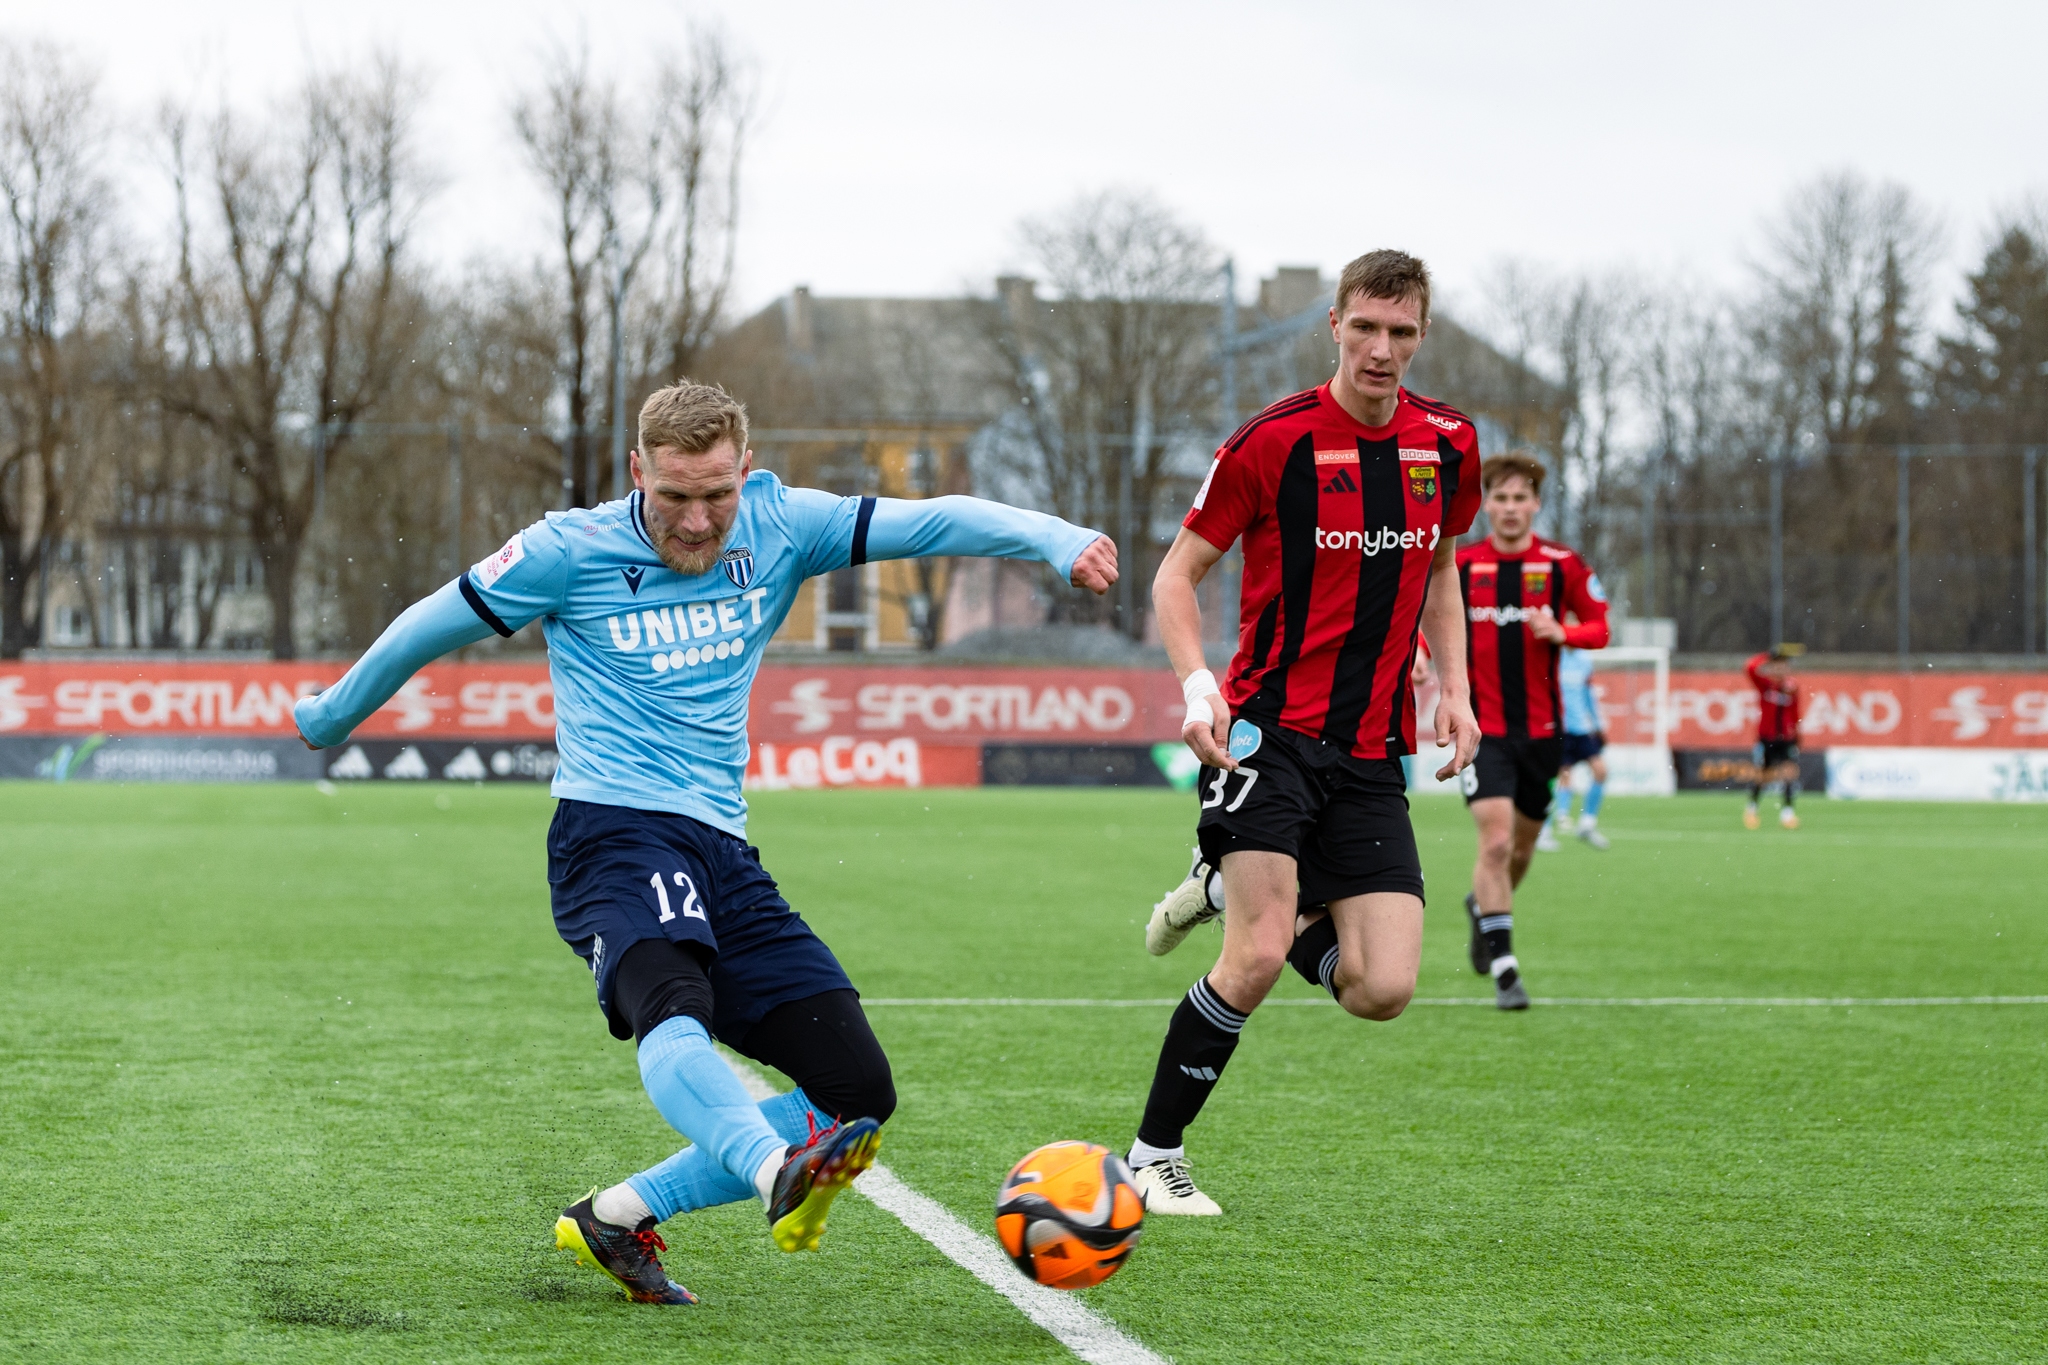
(1229, 327)
(1777, 547)
(618, 368)
(455, 494)
(1127, 531)
(1905, 455)
(2030, 489)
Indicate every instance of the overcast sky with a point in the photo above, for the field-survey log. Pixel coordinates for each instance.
(899, 143)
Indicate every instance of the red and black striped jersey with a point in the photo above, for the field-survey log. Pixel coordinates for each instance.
(1777, 701)
(1340, 522)
(1514, 674)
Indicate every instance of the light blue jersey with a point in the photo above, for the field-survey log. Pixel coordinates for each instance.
(651, 669)
(1575, 681)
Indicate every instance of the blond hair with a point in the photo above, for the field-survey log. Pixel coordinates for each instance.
(692, 418)
(1515, 462)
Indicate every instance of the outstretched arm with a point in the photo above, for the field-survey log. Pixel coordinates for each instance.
(422, 633)
(899, 528)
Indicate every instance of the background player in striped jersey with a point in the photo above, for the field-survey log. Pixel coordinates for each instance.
(1518, 590)
(1584, 739)
(1777, 731)
(1349, 499)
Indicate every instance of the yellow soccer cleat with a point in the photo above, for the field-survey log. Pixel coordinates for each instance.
(626, 1255)
(1787, 819)
(812, 1177)
(1749, 820)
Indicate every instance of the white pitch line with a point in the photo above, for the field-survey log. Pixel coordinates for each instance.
(1072, 1323)
(1640, 1002)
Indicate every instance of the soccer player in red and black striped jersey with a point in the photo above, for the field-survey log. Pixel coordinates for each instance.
(1349, 499)
(1777, 731)
(1519, 590)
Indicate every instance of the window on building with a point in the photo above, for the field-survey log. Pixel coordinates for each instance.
(843, 590)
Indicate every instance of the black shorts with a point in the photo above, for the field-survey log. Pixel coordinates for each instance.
(1775, 753)
(1581, 748)
(617, 876)
(1344, 820)
(1520, 768)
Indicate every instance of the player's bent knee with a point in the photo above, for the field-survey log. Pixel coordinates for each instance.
(871, 1097)
(1364, 1001)
(1249, 973)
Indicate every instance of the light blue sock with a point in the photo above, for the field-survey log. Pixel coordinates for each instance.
(701, 1099)
(691, 1180)
(1593, 795)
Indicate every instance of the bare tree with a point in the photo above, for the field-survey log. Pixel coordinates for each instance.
(295, 312)
(51, 140)
(1112, 369)
(1840, 286)
(657, 173)
(706, 109)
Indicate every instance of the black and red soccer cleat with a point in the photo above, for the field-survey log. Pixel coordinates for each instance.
(625, 1254)
(812, 1177)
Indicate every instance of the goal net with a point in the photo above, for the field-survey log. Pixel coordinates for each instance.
(1631, 685)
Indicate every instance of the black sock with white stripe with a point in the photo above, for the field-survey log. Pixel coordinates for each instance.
(1497, 932)
(1314, 953)
(1198, 1045)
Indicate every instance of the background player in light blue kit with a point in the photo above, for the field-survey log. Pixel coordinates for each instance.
(1584, 739)
(655, 609)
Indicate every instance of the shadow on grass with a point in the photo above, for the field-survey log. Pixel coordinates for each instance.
(284, 1297)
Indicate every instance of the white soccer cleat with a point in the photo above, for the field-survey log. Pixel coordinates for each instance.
(1186, 906)
(1546, 842)
(1166, 1187)
(1590, 835)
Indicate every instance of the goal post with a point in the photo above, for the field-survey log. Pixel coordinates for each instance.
(1632, 686)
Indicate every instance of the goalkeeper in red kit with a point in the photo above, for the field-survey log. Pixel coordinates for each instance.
(1777, 732)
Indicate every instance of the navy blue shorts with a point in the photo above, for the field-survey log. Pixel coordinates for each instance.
(617, 876)
(1582, 748)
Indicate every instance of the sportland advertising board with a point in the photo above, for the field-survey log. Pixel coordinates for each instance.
(915, 725)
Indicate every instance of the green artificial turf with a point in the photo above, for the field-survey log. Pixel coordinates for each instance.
(286, 1075)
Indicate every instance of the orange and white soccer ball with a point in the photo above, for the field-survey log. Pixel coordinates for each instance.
(1069, 1215)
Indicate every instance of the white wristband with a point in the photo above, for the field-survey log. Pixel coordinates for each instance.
(1199, 686)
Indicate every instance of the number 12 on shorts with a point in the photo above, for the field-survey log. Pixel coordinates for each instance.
(692, 907)
(1217, 789)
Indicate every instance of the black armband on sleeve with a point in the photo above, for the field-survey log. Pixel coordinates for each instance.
(481, 608)
(860, 531)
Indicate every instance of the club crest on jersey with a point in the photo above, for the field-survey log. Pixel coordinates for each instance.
(739, 566)
(1422, 482)
(1535, 579)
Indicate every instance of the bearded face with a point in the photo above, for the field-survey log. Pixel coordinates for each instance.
(690, 501)
(685, 559)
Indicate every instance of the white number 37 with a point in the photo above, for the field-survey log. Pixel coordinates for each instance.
(1216, 789)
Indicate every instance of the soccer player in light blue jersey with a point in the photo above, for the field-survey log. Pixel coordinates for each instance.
(655, 609)
(1584, 741)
